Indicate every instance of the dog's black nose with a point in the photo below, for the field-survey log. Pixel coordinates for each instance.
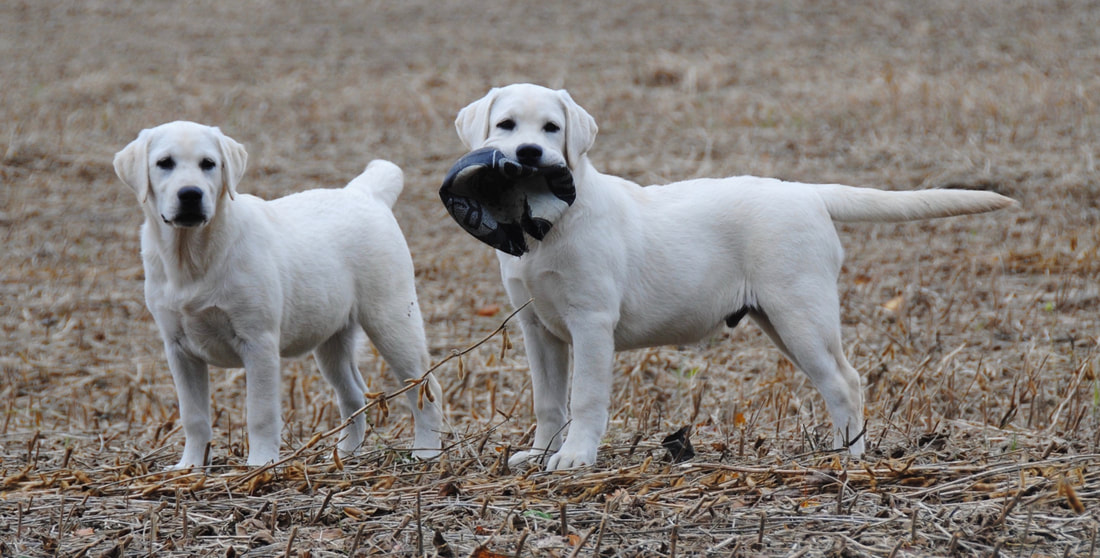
(189, 196)
(529, 154)
(190, 212)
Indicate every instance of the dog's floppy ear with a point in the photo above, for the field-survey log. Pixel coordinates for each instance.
(472, 123)
(132, 165)
(234, 161)
(580, 129)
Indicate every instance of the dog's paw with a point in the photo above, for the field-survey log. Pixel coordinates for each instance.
(571, 459)
(192, 457)
(856, 448)
(527, 457)
(351, 444)
(428, 443)
(183, 465)
(426, 454)
(259, 459)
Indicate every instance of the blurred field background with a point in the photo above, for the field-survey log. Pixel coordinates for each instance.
(977, 337)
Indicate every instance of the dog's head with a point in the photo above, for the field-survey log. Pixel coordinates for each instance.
(532, 124)
(182, 170)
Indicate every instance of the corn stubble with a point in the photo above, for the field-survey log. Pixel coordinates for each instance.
(976, 337)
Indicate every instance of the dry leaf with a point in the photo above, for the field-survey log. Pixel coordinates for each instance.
(548, 542)
(894, 304)
(118, 550)
(198, 484)
(258, 482)
(385, 483)
(249, 525)
(1066, 489)
(449, 489)
(333, 534)
(482, 552)
(339, 463)
(488, 310)
(261, 538)
(355, 513)
(441, 547)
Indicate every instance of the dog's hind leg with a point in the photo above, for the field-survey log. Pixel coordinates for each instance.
(336, 359)
(397, 331)
(192, 379)
(548, 358)
(807, 331)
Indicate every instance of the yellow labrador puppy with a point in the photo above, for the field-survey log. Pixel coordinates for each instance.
(627, 267)
(236, 281)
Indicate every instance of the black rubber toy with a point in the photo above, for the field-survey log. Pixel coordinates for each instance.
(497, 199)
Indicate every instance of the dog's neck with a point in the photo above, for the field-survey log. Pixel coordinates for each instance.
(588, 197)
(582, 171)
(587, 203)
(187, 254)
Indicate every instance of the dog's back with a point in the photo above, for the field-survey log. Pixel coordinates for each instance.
(349, 219)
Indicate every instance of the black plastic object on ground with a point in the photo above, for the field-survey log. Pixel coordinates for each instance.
(679, 445)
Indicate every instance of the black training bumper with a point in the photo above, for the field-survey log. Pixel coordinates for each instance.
(497, 199)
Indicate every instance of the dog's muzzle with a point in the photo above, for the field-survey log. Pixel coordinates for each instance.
(190, 212)
(497, 199)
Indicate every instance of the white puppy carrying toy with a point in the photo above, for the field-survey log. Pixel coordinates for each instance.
(626, 267)
(236, 281)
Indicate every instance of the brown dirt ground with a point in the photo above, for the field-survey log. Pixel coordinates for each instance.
(977, 336)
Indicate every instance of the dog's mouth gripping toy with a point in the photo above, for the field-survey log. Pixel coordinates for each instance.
(497, 199)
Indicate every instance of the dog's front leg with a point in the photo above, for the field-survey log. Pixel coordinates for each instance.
(590, 396)
(548, 358)
(262, 402)
(192, 379)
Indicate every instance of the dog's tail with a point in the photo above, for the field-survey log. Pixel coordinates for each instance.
(381, 179)
(851, 204)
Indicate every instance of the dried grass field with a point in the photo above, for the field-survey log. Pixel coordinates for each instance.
(977, 337)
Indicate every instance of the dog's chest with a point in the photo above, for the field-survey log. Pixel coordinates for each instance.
(209, 334)
(203, 331)
(545, 288)
(551, 317)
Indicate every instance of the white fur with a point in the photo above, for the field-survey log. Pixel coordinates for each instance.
(236, 281)
(628, 267)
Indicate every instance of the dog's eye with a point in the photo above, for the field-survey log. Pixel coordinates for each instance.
(207, 164)
(166, 163)
(507, 124)
(550, 128)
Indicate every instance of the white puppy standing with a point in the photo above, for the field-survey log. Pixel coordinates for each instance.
(236, 281)
(629, 267)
